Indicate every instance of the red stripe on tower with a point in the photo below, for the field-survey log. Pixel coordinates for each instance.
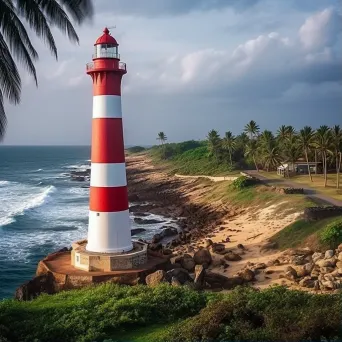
(109, 228)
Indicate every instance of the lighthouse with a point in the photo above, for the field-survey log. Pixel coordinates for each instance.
(109, 223)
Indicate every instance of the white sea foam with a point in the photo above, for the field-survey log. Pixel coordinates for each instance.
(19, 198)
(78, 167)
(4, 182)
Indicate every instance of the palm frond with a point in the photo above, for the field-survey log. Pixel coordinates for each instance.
(78, 9)
(57, 16)
(31, 11)
(3, 119)
(19, 42)
(10, 82)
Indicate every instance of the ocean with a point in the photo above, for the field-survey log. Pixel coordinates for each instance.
(41, 208)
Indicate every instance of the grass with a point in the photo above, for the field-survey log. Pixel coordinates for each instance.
(303, 233)
(317, 184)
(114, 313)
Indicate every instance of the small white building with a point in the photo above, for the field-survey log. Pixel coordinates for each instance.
(299, 167)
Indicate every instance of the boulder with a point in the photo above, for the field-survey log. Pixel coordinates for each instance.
(307, 282)
(202, 257)
(231, 256)
(290, 273)
(339, 248)
(187, 262)
(31, 289)
(156, 278)
(339, 264)
(247, 275)
(157, 238)
(241, 246)
(175, 282)
(309, 267)
(218, 248)
(140, 220)
(170, 231)
(275, 262)
(156, 247)
(298, 260)
(339, 256)
(329, 254)
(199, 275)
(301, 271)
(260, 266)
(180, 274)
(137, 231)
(325, 263)
(325, 270)
(315, 272)
(299, 252)
(317, 256)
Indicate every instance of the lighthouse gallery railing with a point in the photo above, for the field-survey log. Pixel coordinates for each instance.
(115, 65)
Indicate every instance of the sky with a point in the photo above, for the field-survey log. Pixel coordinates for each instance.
(193, 66)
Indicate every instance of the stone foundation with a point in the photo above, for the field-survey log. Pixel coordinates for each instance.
(107, 262)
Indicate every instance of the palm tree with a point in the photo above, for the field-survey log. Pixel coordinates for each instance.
(214, 142)
(336, 137)
(162, 137)
(252, 129)
(252, 151)
(271, 157)
(266, 139)
(40, 16)
(290, 151)
(282, 134)
(229, 144)
(323, 141)
(305, 143)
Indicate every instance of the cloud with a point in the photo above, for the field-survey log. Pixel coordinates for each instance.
(59, 71)
(152, 8)
(321, 30)
(263, 67)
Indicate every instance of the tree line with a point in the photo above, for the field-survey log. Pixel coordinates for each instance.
(268, 151)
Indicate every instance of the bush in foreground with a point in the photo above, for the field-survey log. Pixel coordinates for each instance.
(165, 313)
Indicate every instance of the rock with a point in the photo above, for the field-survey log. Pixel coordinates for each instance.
(188, 263)
(137, 231)
(339, 248)
(317, 256)
(298, 260)
(290, 273)
(190, 249)
(218, 281)
(141, 214)
(269, 271)
(133, 198)
(167, 251)
(329, 254)
(199, 275)
(218, 248)
(157, 238)
(339, 256)
(175, 282)
(170, 231)
(307, 282)
(325, 270)
(275, 262)
(140, 220)
(247, 275)
(208, 243)
(315, 272)
(31, 289)
(156, 247)
(231, 256)
(299, 252)
(324, 263)
(156, 278)
(180, 274)
(260, 266)
(241, 246)
(301, 271)
(202, 256)
(339, 271)
(309, 267)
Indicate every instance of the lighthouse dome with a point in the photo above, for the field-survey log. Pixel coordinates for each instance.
(106, 38)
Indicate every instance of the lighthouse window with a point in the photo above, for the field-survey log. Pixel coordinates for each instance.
(97, 214)
(106, 50)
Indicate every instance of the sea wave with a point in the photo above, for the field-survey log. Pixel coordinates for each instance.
(78, 167)
(20, 203)
(4, 182)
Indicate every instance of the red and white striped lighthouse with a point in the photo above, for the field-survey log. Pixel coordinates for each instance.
(109, 223)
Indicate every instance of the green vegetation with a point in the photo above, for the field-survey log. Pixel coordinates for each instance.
(255, 149)
(120, 313)
(136, 149)
(16, 41)
(323, 234)
(243, 182)
(332, 233)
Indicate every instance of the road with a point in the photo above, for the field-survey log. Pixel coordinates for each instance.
(311, 193)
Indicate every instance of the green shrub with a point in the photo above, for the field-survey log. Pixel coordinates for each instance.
(332, 234)
(136, 149)
(243, 182)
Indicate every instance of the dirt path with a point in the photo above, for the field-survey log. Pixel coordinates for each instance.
(212, 178)
(310, 192)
